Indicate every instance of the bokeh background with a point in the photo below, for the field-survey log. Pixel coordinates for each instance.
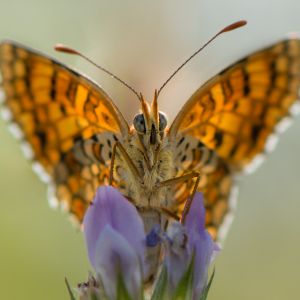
(143, 42)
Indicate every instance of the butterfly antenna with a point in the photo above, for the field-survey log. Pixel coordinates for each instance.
(226, 29)
(65, 49)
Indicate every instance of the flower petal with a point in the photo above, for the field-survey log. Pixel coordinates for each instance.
(187, 240)
(114, 256)
(203, 246)
(177, 254)
(110, 207)
(200, 242)
(195, 219)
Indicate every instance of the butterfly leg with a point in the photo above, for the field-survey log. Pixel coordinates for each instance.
(182, 178)
(128, 160)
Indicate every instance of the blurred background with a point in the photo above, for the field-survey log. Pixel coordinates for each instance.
(143, 42)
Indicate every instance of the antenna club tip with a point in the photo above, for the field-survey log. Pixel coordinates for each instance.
(234, 26)
(65, 49)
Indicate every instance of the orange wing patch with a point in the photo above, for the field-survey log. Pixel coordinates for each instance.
(238, 110)
(216, 182)
(67, 123)
(230, 121)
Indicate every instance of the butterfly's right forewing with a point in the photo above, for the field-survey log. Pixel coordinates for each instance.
(66, 122)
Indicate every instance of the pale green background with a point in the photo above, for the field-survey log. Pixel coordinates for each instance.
(143, 41)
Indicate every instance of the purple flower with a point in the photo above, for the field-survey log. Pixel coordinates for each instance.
(187, 240)
(115, 239)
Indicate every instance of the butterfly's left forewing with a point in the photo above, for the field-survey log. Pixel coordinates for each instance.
(66, 123)
(235, 116)
(236, 111)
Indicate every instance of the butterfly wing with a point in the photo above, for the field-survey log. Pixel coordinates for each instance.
(216, 182)
(66, 123)
(238, 112)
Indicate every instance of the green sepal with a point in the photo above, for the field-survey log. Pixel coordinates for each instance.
(161, 287)
(72, 297)
(206, 290)
(122, 292)
(93, 296)
(184, 290)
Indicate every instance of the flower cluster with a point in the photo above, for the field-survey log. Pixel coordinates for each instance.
(117, 244)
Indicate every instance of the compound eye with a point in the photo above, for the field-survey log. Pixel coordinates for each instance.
(139, 123)
(163, 122)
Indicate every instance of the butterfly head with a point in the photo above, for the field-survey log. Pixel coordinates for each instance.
(150, 124)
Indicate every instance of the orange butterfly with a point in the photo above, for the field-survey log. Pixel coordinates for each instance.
(78, 139)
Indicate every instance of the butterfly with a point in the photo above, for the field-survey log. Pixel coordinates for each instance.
(78, 139)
